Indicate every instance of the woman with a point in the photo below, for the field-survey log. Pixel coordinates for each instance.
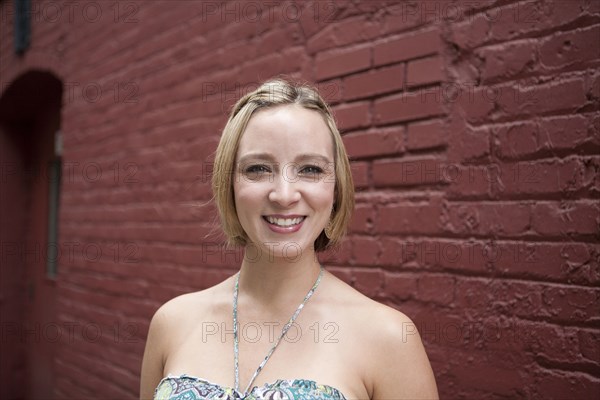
(283, 327)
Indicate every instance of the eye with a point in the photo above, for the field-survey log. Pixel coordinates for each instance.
(254, 169)
(311, 170)
(255, 172)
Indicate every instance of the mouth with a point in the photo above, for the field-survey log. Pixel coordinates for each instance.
(284, 221)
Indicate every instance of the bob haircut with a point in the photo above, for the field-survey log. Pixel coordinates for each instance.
(270, 94)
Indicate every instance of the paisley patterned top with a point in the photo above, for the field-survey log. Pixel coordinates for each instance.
(187, 387)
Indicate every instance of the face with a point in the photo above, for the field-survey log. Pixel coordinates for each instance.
(285, 180)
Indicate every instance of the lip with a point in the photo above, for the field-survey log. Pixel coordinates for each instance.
(284, 229)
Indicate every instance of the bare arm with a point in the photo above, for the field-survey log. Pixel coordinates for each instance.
(403, 370)
(153, 362)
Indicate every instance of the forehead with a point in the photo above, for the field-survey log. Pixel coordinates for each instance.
(285, 131)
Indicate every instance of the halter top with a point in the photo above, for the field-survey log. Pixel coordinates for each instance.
(187, 387)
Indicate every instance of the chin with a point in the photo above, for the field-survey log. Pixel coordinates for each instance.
(286, 250)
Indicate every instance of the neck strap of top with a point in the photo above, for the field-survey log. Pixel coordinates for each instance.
(283, 332)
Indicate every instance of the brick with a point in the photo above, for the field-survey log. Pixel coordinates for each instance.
(474, 102)
(512, 298)
(472, 32)
(473, 293)
(468, 181)
(517, 140)
(362, 218)
(375, 143)
(523, 260)
(339, 255)
(591, 180)
(406, 47)
(566, 385)
(508, 60)
(565, 12)
(267, 66)
(434, 254)
(352, 115)
(391, 252)
(539, 177)
(331, 91)
(407, 173)
(360, 174)
(594, 88)
(528, 18)
(399, 286)
(555, 303)
(341, 63)
(498, 219)
(342, 33)
(107, 285)
(176, 233)
(314, 17)
(468, 144)
(69, 366)
(365, 250)
(406, 107)
(368, 282)
(410, 218)
(565, 132)
(571, 304)
(571, 47)
(523, 139)
(502, 380)
(401, 17)
(565, 218)
(343, 254)
(424, 71)
(564, 95)
(426, 135)
(588, 345)
(374, 82)
(523, 18)
(537, 340)
(558, 262)
(436, 289)
(279, 39)
(439, 327)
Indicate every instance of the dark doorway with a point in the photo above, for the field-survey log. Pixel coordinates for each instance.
(30, 167)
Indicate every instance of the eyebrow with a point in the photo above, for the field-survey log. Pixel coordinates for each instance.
(270, 157)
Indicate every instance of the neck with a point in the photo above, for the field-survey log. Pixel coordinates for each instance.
(272, 282)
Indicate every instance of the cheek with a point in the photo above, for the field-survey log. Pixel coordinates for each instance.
(321, 195)
(241, 195)
(247, 195)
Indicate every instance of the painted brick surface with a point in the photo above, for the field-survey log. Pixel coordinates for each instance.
(474, 133)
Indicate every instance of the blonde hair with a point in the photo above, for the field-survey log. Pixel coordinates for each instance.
(271, 94)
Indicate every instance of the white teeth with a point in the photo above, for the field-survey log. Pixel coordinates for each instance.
(285, 221)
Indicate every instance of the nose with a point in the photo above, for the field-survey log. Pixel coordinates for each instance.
(285, 191)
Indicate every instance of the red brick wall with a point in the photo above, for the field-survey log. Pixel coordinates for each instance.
(12, 276)
(473, 127)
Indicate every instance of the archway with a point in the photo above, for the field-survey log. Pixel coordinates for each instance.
(30, 109)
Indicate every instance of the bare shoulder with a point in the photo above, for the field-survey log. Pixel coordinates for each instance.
(169, 325)
(404, 370)
(396, 362)
(176, 312)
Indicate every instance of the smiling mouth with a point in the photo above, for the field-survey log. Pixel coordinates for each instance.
(284, 222)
